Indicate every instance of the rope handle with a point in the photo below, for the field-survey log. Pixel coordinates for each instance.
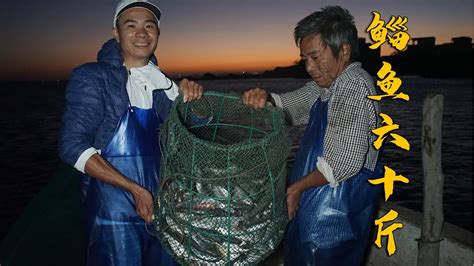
(219, 94)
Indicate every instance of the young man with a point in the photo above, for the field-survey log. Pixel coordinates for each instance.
(329, 200)
(114, 108)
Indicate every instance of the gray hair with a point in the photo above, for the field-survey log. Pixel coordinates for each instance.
(335, 26)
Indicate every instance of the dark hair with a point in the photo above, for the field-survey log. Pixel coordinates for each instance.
(335, 26)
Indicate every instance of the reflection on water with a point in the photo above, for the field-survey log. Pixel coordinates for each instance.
(456, 139)
(31, 119)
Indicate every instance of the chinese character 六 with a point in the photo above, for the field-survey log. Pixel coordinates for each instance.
(383, 130)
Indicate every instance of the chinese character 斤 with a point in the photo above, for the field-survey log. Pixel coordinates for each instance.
(378, 32)
(390, 216)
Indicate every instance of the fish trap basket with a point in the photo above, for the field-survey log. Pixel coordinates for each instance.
(221, 198)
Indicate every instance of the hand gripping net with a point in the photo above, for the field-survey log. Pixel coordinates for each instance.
(221, 198)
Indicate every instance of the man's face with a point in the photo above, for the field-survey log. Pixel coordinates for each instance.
(320, 63)
(137, 32)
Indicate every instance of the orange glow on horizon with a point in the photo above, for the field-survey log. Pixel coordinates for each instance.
(223, 67)
(210, 36)
(173, 59)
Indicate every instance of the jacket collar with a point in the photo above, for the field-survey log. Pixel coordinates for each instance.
(110, 54)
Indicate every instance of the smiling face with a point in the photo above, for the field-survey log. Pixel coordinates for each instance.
(137, 32)
(321, 64)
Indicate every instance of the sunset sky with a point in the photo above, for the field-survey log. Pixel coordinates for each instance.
(46, 39)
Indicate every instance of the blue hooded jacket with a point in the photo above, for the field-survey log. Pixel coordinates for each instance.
(96, 99)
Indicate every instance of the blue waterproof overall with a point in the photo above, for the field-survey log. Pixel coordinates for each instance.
(115, 234)
(332, 225)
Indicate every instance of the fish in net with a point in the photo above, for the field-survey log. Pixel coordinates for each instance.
(221, 198)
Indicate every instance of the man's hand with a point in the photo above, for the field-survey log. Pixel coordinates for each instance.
(293, 192)
(143, 203)
(99, 168)
(190, 90)
(293, 195)
(256, 98)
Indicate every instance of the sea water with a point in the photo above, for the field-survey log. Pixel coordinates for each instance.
(31, 119)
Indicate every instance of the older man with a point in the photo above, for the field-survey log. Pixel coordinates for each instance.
(329, 200)
(114, 108)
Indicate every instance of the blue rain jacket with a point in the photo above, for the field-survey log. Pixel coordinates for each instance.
(332, 225)
(98, 114)
(96, 98)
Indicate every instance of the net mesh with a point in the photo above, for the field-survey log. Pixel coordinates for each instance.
(221, 198)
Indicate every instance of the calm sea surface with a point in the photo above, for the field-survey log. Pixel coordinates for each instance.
(31, 117)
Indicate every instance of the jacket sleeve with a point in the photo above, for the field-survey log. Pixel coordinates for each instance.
(346, 142)
(83, 114)
(297, 104)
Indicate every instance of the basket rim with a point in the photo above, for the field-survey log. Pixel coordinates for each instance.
(276, 132)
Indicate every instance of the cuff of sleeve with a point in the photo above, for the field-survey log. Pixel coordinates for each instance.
(325, 169)
(277, 100)
(81, 161)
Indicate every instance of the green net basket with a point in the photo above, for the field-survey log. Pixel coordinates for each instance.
(221, 198)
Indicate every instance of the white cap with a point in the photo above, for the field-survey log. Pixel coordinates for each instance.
(127, 4)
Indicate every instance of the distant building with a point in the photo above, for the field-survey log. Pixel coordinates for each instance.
(426, 46)
(422, 46)
(458, 47)
(425, 58)
(423, 42)
(370, 58)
